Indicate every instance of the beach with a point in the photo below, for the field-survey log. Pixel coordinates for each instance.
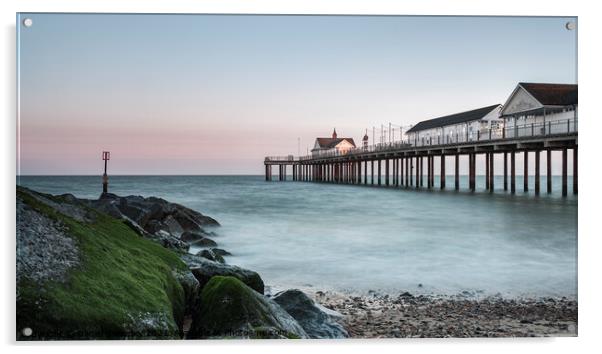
(405, 315)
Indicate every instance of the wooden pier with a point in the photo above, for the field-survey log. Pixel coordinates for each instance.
(401, 165)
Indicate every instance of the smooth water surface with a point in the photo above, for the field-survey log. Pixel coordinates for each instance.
(350, 238)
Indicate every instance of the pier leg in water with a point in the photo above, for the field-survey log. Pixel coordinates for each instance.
(418, 171)
(411, 171)
(457, 172)
(575, 171)
(487, 180)
(505, 171)
(537, 157)
(472, 174)
(491, 174)
(372, 172)
(564, 173)
(526, 171)
(408, 172)
(387, 172)
(401, 162)
(549, 171)
(512, 173)
(428, 172)
(442, 179)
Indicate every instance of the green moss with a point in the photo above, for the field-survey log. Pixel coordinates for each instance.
(123, 285)
(231, 308)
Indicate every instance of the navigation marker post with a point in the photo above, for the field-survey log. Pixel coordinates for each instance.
(106, 156)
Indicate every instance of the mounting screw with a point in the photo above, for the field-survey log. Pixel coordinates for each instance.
(27, 331)
(570, 25)
(28, 22)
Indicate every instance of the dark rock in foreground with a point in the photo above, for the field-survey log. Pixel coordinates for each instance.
(229, 308)
(204, 269)
(317, 321)
(212, 256)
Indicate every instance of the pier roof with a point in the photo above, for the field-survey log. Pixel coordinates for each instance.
(456, 118)
(329, 143)
(552, 94)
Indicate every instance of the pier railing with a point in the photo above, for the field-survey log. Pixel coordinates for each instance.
(560, 127)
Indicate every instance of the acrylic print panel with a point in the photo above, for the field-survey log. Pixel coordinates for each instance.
(250, 176)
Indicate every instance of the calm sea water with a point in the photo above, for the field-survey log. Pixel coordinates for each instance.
(350, 238)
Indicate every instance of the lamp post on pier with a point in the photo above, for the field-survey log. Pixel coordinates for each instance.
(106, 156)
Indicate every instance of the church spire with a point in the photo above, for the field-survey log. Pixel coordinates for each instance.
(334, 133)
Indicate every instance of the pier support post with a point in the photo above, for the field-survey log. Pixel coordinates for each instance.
(549, 171)
(408, 172)
(526, 171)
(512, 172)
(491, 174)
(457, 172)
(537, 166)
(421, 171)
(379, 172)
(487, 171)
(432, 168)
(365, 172)
(418, 171)
(472, 174)
(411, 170)
(395, 176)
(564, 172)
(505, 171)
(575, 170)
(401, 162)
(387, 172)
(372, 177)
(442, 173)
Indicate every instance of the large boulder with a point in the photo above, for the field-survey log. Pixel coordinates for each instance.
(204, 269)
(229, 308)
(317, 321)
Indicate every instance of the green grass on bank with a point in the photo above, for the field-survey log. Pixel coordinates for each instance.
(123, 287)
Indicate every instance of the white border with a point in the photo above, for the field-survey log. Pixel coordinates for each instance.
(590, 289)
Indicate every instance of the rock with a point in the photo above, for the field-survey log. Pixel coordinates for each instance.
(221, 252)
(170, 224)
(316, 322)
(229, 308)
(210, 255)
(192, 290)
(191, 236)
(204, 269)
(205, 242)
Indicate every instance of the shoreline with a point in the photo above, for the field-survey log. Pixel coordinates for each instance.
(405, 315)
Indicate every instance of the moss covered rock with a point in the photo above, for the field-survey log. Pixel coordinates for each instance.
(119, 285)
(204, 269)
(229, 308)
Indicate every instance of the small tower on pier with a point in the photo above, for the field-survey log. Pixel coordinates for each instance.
(106, 156)
(365, 140)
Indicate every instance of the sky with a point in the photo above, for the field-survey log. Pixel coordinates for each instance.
(215, 94)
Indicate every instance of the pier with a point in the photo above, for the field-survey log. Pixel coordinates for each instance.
(536, 118)
(402, 164)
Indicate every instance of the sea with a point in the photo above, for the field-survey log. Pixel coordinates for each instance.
(362, 239)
